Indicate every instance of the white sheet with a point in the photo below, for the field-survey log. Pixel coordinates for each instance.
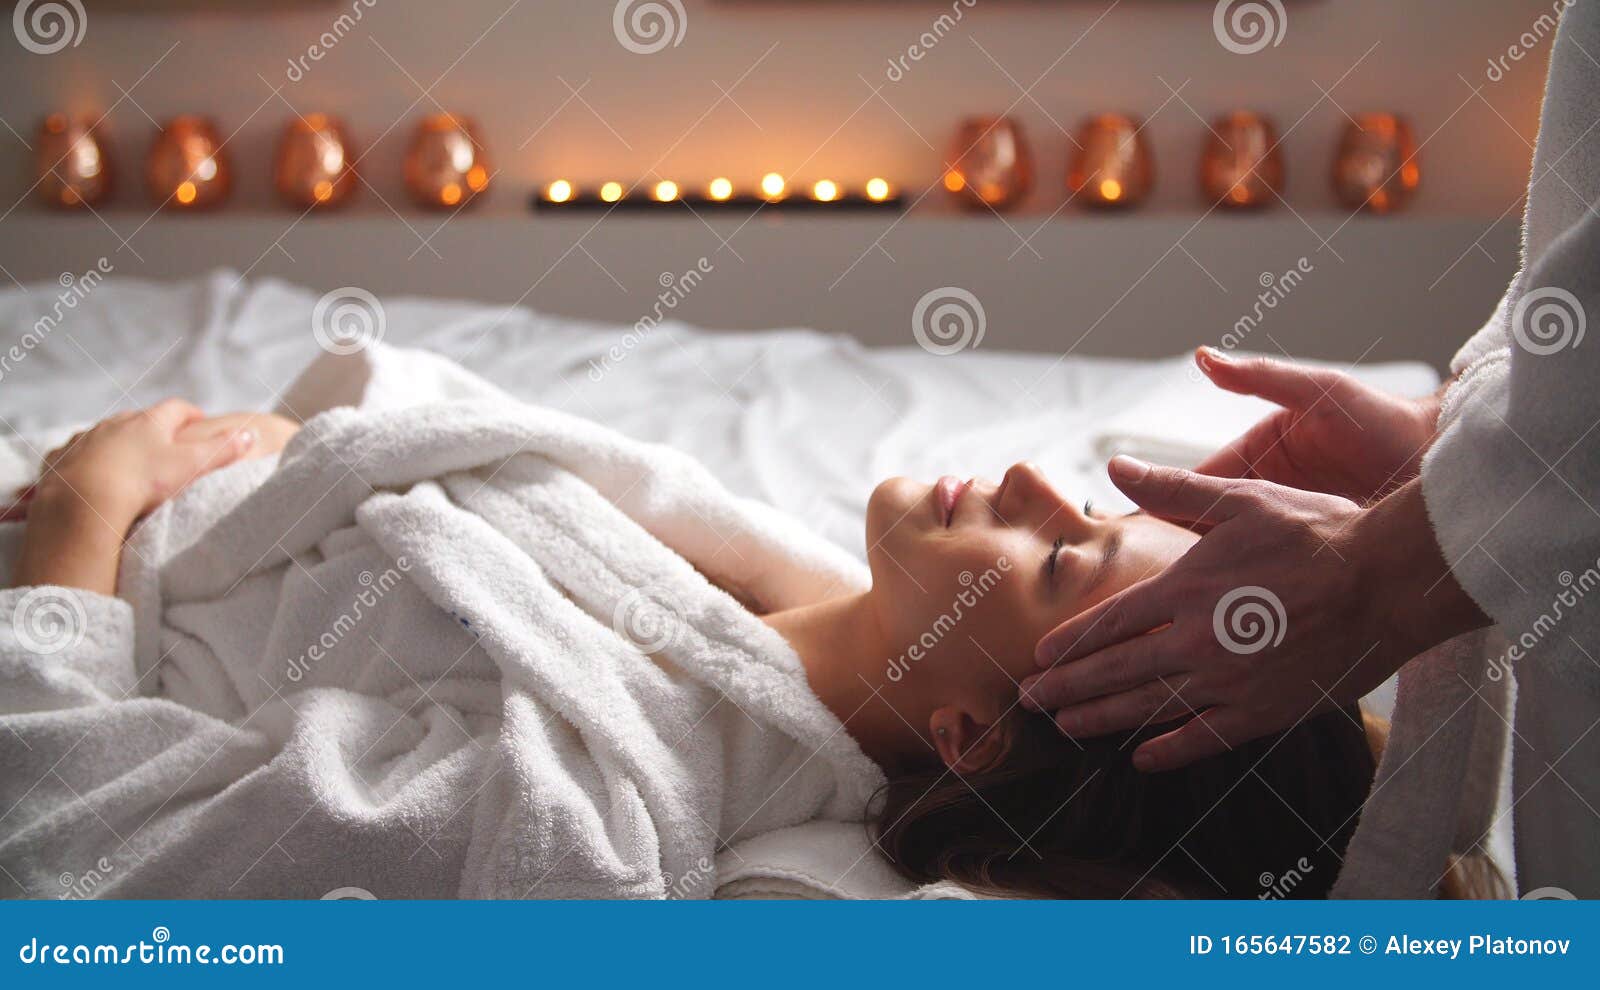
(805, 421)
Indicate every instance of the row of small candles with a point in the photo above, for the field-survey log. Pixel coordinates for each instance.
(990, 167)
(773, 190)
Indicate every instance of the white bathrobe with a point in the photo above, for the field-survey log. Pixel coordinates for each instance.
(466, 648)
(1513, 482)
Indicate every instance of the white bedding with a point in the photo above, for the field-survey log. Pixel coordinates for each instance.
(805, 421)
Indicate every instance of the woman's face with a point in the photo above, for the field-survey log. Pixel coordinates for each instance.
(968, 575)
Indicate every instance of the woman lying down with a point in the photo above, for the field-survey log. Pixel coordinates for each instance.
(482, 649)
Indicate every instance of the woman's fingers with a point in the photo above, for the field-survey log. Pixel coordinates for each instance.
(1291, 385)
(1129, 613)
(1213, 731)
(205, 456)
(1179, 495)
(173, 414)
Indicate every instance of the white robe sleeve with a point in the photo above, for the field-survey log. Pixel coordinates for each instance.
(1513, 482)
(63, 648)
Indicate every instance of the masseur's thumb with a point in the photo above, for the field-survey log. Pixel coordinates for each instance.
(1293, 386)
(1173, 493)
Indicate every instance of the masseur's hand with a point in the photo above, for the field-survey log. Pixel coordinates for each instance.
(1291, 604)
(1333, 434)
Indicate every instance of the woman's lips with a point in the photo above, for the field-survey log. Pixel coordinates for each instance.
(947, 491)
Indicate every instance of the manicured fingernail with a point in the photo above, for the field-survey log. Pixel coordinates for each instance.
(246, 440)
(1125, 468)
(1212, 354)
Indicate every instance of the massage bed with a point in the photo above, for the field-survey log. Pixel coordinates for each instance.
(804, 421)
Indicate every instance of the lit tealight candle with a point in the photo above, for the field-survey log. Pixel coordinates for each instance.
(666, 191)
(954, 181)
(1110, 190)
(720, 189)
(559, 192)
(772, 185)
(611, 192)
(825, 191)
(877, 190)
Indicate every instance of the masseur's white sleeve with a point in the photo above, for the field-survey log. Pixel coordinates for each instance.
(1513, 482)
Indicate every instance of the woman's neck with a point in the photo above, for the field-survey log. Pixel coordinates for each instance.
(842, 647)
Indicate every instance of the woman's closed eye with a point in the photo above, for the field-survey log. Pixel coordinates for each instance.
(1055, 555)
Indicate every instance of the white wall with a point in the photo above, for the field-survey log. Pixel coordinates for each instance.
(802, 78)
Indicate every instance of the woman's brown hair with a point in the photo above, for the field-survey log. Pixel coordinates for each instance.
(1065, 818)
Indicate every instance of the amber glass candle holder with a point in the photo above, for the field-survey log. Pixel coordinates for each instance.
(991, 164)
(71, 162)
(446, 166)
(1376, 167)
(1111, 166)
(314, 166)
(1241, 168)
(187, 168)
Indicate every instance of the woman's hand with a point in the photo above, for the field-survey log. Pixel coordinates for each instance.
(1291, 604)
(259, 434)
(1333, 435)
(127, 465)
(94, 488)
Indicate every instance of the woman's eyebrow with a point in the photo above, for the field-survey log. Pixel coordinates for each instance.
(1108, 556)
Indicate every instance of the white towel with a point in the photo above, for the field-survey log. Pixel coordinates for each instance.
(459, 648)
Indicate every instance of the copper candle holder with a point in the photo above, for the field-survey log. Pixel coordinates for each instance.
(1241, 167)
(71, 162)
(315, 164)
(1376, 168)
(188, 168)
(1112, 166)
(991, 165)
(446, 165)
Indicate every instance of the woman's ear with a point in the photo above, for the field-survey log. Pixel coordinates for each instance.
(965, 744)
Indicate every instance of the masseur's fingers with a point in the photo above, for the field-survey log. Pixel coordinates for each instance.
(1293, 386)
(1213, 731)
(1132, 612)
(1125, 664)
(1161, 700)
(1179, 495)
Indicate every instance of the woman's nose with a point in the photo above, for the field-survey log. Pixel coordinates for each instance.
(1026, 487)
